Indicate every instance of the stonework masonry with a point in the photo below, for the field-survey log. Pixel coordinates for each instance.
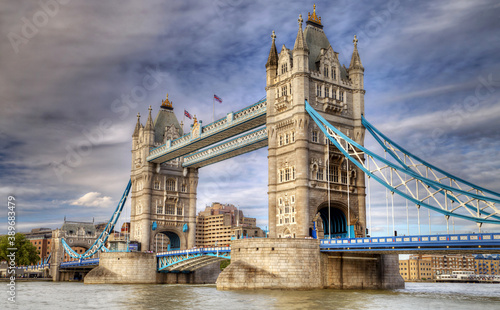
(137, 267)
(298, 264)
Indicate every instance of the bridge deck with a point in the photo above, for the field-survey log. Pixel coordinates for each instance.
(232, 125)
(240, 145)
(432, 244)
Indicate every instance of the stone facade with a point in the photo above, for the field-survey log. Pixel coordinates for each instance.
(300, 160)
(298, 264)
(272, 263)
(137, 267)
(165, 193)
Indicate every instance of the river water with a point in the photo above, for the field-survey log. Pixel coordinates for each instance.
(66, 295)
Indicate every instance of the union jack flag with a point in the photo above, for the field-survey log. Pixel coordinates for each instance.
(186, 114)
(217, 98)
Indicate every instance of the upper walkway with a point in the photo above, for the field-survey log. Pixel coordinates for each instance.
(235, 123)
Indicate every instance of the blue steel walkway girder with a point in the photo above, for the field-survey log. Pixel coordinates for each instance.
(240, 145)
(190, 260)
(232, 125)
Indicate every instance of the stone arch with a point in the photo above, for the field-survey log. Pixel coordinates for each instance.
(335, 224)
(168, 239)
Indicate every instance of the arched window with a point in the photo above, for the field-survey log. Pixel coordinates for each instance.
(287, 174)
(281, 140)
(281, 175)
(170, 185)
(157, 185)
(293, 173)
(327, 92)
(184, 188)
(179, 210)
(287, 138)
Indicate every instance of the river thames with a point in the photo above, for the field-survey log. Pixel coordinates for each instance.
(68, 295)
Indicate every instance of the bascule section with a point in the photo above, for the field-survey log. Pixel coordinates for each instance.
(312, 188)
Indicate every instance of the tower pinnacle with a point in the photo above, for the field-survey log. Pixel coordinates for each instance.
(272, 60)
(313, 18)
(149, 122)
(355, 59)
(166, 104)
(137, 126)
(300, 43)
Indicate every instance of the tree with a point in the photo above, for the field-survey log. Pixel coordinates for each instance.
(26, 253)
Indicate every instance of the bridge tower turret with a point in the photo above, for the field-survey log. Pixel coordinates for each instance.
(309, 179)
(163, 196)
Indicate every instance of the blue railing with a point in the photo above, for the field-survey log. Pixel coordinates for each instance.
(225, 249)
(80, 263)
(489, 241)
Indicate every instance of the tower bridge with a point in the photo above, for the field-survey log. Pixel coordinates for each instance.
(319, 173)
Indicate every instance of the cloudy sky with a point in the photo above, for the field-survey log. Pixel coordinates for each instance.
(74, 74)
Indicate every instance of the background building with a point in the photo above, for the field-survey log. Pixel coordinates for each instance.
(217, 224)
(416, 268)
(41, 238)
(485, 264)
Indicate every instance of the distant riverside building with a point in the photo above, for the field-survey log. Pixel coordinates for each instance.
(485, 264)
(219, 222)
(41, 238)
(446, 264)
(416, 268)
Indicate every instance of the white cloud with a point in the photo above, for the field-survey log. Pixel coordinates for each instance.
(93, 199)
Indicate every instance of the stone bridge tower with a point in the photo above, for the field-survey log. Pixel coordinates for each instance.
(163, 196)
(308, 177)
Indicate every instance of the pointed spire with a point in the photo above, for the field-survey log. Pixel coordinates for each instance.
(355, 59)
(272, 60)
(300, 43)
(137, 126)
(149, 122)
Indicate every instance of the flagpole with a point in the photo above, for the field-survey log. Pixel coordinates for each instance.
(213, 102)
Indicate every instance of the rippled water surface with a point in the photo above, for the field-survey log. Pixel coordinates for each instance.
(64, 295)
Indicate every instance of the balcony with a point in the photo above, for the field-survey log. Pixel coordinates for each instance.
(331, 105)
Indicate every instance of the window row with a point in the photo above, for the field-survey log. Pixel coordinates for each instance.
(328, 92)
(330, 72)
(287, 174)
(287, 210)
(286, 138)
(286, 220)
(170, 185)
(169, 209)
(335, 174)
(285, 90)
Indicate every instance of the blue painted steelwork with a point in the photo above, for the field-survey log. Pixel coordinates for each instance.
(80, 263)
(189, 260)
(448, 242)
(356, 153)
(103, 237)
(394, 150)
(251, 141)
(233, 124)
